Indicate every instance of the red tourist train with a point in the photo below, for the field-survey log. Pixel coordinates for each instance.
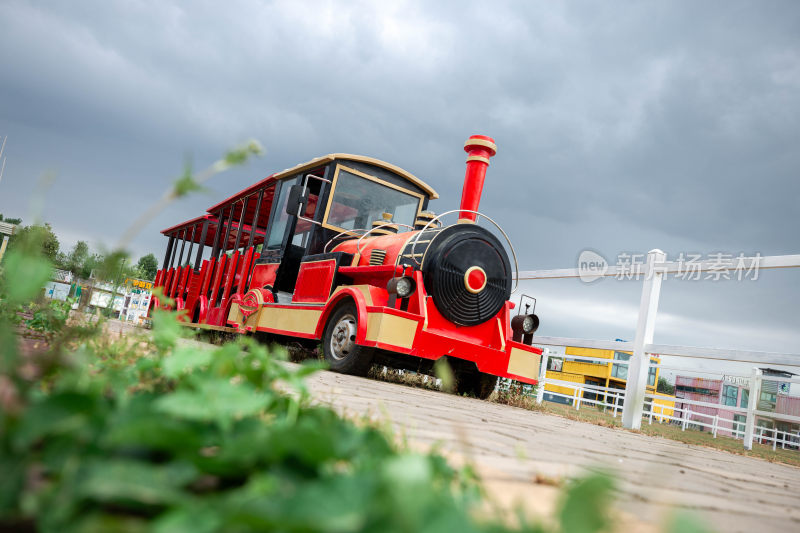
(343, 249)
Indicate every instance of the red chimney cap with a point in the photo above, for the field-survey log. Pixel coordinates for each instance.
(480, 142)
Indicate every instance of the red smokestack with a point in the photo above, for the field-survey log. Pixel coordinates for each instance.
(480, 148)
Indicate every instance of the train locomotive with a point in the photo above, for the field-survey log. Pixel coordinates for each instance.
(344, 250)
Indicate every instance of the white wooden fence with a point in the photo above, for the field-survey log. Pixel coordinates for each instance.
(635, 396)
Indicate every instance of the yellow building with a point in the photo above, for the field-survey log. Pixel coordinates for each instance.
(663, 404)
(600, 374)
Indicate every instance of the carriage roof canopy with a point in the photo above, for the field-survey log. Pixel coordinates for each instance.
(194, 230)
(427, 189)
(195, 224)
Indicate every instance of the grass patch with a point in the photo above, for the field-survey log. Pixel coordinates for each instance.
(404, 377)
(673, 432)
(515, 397)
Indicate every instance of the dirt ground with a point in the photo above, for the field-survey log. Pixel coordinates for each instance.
(523, 456)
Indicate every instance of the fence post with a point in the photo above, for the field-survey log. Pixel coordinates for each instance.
(577, 400)
(542, 376)
(639, 365)
(714, 427)
(774, 439)
(752, 402)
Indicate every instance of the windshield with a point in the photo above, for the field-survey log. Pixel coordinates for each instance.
(359, 201)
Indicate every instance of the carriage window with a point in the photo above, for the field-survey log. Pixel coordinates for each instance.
(279, 217)
(357, 202)
(303, 230)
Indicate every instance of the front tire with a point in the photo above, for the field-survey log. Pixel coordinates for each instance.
(475, 384)
(339, 343)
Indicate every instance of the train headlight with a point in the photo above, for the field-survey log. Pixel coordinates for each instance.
(526, 324)
(402, 287)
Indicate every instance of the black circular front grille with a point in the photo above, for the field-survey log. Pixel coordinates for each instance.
(446, 260)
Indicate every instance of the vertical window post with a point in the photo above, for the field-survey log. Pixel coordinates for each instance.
(223, 248)
(201, 245)
(183, 245)
(241, 224)
(191, 244)
(254, 224)
(174, 250)
(218, 234)
(169, 252)
(224, 245)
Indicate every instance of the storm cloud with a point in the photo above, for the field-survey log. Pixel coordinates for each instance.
(621, 127)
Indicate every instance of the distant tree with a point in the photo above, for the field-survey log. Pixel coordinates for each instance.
(62, 261)
(94, 262)
(147, 267)
(665, 386)
(50, 244)
(43, 235)
(15, 221)
(77, 259)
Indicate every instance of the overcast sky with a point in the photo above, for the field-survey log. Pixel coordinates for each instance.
(621, 127)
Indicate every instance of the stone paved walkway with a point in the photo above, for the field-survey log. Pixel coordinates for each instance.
(513, 447)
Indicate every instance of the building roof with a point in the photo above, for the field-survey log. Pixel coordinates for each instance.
(777, 372)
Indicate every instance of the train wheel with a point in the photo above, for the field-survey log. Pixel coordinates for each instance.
(476, 384)
(339, 343)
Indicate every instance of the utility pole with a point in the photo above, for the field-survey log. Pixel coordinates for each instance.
(8, 229)
(117, 283)
(2, 159)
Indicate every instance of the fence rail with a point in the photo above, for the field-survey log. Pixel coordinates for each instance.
(584, 343)
(682, 413)
(635, 396)
(660, 267)
(721, 354)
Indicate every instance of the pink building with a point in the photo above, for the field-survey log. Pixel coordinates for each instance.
(734, 392)
(699, 390)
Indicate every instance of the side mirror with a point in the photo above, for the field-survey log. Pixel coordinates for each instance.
(296, 204)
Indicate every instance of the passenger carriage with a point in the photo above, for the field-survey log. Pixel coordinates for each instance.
(344, 249)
